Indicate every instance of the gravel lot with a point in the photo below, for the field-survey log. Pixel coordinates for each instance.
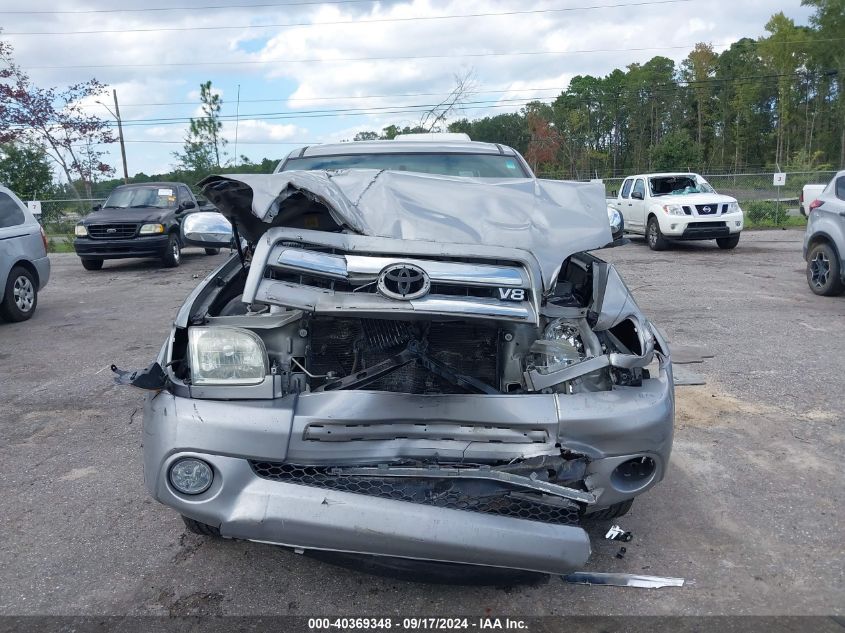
(750, 513)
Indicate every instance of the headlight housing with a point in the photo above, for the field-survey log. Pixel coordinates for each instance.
(80, 231)
(615, 219)
(733, 207)
(222, 355)
(673, 209)
(150, 229)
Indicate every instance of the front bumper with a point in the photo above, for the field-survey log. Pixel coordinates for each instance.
(147, 246)
(607, 427)
(692, 227)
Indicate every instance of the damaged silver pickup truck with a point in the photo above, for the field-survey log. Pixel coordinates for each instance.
(418, 365)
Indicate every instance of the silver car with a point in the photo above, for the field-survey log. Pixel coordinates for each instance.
(24, 265)
(824, 239)
(417, 359)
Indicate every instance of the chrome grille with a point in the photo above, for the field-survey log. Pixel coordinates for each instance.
(118, 231)
(453, 493)
(350, 282)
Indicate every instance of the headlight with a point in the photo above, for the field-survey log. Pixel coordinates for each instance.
(733, 207)
(226, 356)
(80, 230)
(191, 476)
(148, 229)
(615, 219)
(560, 346)
(673, 209)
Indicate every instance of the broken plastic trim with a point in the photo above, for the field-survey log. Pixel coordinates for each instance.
(621, 580)
(152, 378)
(474, 473)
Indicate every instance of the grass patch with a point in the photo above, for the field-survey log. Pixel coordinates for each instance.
(765, 214)
(61, 245)
(782, 223)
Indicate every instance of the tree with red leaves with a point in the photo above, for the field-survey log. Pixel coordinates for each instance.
(545, 140)
(55, 120)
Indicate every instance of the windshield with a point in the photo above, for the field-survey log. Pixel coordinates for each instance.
(678, 186)
(142, 197)
(466, 165)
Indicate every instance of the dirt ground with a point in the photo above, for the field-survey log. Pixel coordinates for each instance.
(750, 513)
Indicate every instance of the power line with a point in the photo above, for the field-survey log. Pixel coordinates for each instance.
(343, 98)
(195, 8)
(318, 114)
(334, 111)
(690, 82)
(361, 59)
(406, 57)
(348, 22)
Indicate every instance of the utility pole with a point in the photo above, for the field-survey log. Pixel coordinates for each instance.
(120, 136)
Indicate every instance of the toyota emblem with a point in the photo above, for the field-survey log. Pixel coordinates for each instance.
(403, 281)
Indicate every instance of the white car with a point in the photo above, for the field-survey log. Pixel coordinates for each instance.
(677, 206)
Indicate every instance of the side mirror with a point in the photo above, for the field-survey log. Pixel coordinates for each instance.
(96, 207)
(637, 195)
(190, 204)
(206, 228)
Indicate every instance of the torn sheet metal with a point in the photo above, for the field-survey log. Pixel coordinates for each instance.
(688, 354)
(684, 377)
(550, 219)
(621, 580)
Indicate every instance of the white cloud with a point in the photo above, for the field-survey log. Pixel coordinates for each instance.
(433, 51)
(256, 131)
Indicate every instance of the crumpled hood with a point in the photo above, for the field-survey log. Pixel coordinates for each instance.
(550, 219)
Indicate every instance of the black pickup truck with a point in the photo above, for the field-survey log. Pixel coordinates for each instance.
(138, 220)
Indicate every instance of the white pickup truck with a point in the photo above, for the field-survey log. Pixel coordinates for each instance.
(677, 206)
(809, 193)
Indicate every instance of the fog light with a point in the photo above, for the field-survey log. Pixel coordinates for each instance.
(191, 476)
(633, 474)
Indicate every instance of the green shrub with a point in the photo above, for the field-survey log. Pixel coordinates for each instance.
(761, 211)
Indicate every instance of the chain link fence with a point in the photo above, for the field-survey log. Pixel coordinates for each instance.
(756, 193)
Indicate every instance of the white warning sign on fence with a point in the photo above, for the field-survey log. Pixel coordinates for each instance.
(779, 179)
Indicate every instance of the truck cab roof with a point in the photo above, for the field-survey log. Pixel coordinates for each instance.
(403, 146)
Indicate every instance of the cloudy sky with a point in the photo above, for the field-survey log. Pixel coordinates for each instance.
(311, 72)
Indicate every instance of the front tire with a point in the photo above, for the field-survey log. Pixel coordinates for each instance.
(202, 529)
(20, 296)
(212, 251)
(824, 271)
(92, 264)
(654, 237)
(173, 257)
(611, 512)
(728, 243)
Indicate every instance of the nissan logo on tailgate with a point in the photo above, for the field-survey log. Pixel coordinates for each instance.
(403, 281)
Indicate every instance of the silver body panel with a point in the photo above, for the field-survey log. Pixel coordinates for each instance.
(471, 238)
(827, 222)
(21, 244)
